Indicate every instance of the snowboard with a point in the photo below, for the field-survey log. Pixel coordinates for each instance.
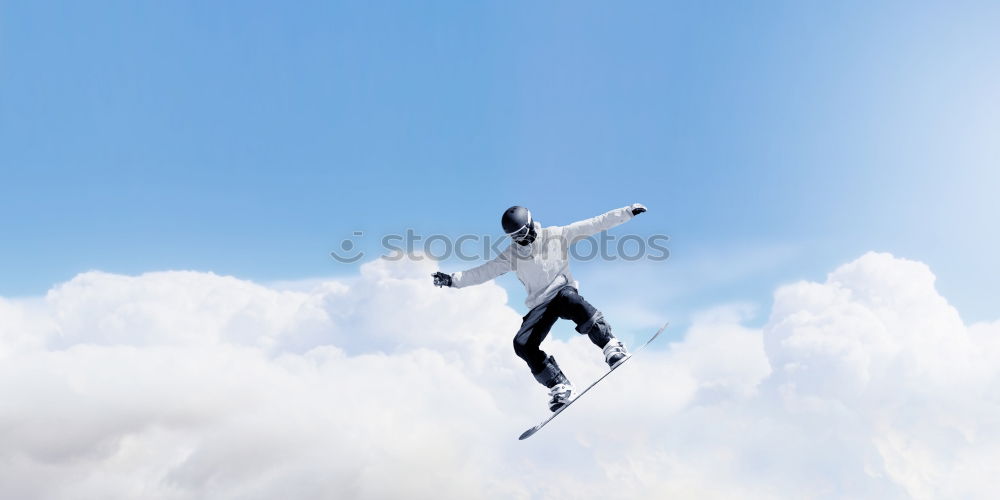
(528, 433)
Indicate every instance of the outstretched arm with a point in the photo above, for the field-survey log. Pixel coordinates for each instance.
(479, 274)
(603, 222)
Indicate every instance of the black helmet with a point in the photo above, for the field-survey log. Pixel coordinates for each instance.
(518, 224)
(515, 218)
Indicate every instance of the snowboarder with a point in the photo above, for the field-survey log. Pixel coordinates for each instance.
(540, 259)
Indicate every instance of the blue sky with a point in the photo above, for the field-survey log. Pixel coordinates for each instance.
(771, 141)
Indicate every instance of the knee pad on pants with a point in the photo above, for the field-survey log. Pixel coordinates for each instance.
(597, 329)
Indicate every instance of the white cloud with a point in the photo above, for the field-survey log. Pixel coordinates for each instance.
(182, 385)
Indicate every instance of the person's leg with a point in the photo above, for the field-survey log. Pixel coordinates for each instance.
(570, 305)
(589, 321)
(534, 328)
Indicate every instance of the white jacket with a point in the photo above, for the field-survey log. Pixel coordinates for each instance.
(543, 265)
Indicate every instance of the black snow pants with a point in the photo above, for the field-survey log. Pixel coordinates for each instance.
(566, 304)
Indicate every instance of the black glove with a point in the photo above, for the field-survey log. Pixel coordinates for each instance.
(441, 279)
(637, 209)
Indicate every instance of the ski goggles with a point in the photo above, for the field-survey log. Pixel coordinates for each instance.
(522, 233)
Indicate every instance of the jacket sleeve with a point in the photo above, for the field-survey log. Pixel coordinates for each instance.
(594, 225)
(482, 273)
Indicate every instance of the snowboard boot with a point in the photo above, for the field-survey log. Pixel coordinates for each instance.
(560, 390)
(560, 395)
(615, 353)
